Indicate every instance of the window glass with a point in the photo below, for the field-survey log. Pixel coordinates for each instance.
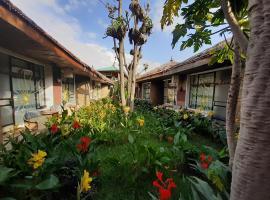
(68, 93)
(6, 113)
(5, 86)
(28, 88)
(146, 91)
(209, 92)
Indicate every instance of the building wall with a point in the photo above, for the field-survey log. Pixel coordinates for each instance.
(48, 86)
(104, 91)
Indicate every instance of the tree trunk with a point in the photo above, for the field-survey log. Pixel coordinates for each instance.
(134, 68)
(232, 103)
(129, 82)
(121, 62)
(236, 29)
(251, 177)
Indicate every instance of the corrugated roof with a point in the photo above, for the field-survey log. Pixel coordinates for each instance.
(15, 10)
(165, 69)
(107, 68)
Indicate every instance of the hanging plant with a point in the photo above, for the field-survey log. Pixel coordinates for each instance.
(117, 29)
(146, 26)
(137, 10)
(136, 37)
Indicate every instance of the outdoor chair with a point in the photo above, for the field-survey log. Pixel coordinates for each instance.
(30, 120)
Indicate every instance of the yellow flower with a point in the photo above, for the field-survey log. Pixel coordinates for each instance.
(185, 117)
(37, 159)
(210, 114)
(85, 182)
(126, 109)
(140, 122)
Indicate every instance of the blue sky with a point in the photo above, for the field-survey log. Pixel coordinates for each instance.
(80, 26)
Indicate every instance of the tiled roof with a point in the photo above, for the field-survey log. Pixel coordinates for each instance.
(15, 10)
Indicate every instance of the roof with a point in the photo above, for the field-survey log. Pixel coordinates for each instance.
(27, 22)
(170, 68)
(107, 69)
(157, 72)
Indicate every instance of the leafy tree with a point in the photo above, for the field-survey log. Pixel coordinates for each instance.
(138, 24)
(203, 19)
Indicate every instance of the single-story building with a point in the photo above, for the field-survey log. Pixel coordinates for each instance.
(110, 72)
(37, 72)
(192, 84)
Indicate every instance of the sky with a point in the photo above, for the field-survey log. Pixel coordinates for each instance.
(80, 25)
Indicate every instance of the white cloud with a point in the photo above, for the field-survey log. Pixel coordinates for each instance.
(65, 29)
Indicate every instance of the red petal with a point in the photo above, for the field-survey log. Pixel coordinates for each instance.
(159, 176)
(202, 157)
(164, 194)
(204, 165)
(156, 184)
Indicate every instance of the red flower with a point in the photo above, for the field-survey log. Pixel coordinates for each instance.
(54, 128)
(76, 125)
(205, 161)
(202, 157)
(165, 194)
(210, 159)
(164, 188)
(83, 146)
(204, 165)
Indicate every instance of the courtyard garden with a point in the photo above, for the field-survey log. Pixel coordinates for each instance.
(104, 151)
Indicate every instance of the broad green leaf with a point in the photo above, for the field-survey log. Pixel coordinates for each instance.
(5, 174)
(49, 183)
(130, 139)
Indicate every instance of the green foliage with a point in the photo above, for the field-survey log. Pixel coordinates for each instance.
(201, 20)
(122, 157)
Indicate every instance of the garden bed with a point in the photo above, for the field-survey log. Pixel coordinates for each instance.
(105, 152)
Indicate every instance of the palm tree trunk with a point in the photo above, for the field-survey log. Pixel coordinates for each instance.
(251, 177)
(232, 103)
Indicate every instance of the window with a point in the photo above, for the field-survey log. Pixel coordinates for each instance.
(28, 87)
(146, 91)
(68, 90)
(209, 92)
(169, 91)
